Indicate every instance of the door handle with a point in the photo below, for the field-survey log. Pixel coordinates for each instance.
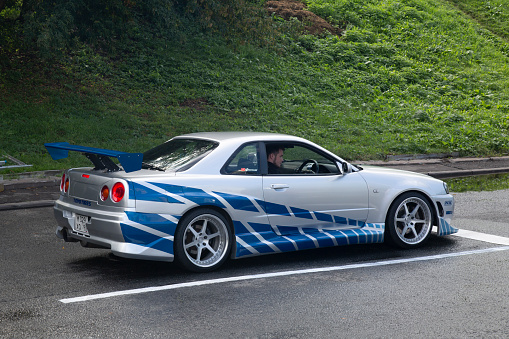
(279, 186)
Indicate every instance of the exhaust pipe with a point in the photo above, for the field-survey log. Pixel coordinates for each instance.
(65, 236)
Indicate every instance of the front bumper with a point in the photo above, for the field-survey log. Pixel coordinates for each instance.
(445, 209)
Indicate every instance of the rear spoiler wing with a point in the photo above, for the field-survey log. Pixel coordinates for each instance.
(100, 157)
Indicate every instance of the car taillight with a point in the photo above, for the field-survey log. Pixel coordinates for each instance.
(105, 192)
(62, 182)
(66, 185)
(117, 192)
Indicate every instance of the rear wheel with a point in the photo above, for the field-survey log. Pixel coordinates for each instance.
(202, 241)
(409, 220)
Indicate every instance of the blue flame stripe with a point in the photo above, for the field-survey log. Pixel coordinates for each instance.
(238, 202)
(142, 192)
(137, 236)
(307, 238)
(252, 238)
(445, 228)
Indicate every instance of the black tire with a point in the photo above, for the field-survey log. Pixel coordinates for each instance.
(203, 240)
(409, 220)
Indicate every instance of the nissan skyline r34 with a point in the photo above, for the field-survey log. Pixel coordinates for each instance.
(200, 199)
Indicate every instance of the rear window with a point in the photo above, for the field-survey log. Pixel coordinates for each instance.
(177, 154)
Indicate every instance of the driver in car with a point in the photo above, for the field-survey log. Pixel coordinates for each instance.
(274, 158)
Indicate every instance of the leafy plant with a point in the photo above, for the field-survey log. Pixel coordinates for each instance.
(413, 76)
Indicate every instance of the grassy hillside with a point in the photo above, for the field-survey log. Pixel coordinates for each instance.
(406, 76)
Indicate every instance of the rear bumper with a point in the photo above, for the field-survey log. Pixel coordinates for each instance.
(111, 230)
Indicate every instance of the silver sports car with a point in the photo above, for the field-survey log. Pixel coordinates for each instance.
(202, 198)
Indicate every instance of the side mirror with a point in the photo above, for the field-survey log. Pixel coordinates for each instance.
(345, 167)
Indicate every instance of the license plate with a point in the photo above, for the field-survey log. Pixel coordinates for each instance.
(80, 224)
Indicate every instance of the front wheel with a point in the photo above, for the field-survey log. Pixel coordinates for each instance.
(202, 241)
(409, 220)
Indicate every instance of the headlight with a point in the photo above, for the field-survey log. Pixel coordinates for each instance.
(446, 188)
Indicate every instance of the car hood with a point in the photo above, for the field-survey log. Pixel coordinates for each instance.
(394, 179)
(392, 172)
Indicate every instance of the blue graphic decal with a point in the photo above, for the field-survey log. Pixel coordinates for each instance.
(323, 239)
(285, 245)
(131, 190)
(154, 221)
(288, 230)
(306, 238)
(200, 197)
(261, 203)
(445, 228)
(238, 202)
(258, 228)
(261, 246)
(340, 220)
(341, 238)
(301, 213)
(169, 188)
(242, 251)
(254, 238)
(136, 236)
(271, 208)
(195, 195)
(303, 242)
(144, 193)
(323, 217)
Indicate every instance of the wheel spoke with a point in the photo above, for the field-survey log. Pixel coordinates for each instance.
(406, 209)
(404, 230)
(416, 209)
(414, 232)
(191, 244)
(204, 226)
(196, 235)
(199, 254)
(212, 236)
(213, 251)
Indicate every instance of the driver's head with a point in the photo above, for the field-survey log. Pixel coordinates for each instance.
(275, 154)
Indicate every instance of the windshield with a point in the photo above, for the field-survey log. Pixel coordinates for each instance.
(177, 154)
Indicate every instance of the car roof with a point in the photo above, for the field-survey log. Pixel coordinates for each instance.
(240, 136)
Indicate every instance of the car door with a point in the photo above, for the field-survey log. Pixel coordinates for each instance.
(310, 194)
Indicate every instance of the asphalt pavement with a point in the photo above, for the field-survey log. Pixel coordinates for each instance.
(40, 189)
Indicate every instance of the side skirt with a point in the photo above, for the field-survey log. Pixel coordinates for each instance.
(258, 243)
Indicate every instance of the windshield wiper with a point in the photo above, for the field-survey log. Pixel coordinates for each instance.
(152, 167)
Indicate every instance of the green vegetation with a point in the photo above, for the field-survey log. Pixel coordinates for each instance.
(492, 182)
(406, 76)
(492, 14)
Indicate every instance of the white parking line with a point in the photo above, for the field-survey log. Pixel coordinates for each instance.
(494, 239)
(278, 274)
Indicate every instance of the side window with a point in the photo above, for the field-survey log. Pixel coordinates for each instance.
(244, 162)
(301, 160)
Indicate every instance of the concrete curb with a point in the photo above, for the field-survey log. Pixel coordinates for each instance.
(467, 173)
(16, 185)
(27, 204)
